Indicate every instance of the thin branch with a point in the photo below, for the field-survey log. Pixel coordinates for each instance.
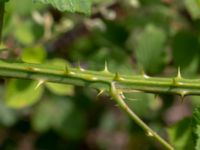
(124, 106)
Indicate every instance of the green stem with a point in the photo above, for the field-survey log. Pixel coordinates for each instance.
(2, 7)
(124, 106)
(100, 79)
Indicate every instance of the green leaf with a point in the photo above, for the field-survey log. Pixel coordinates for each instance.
(108, 121)
(57, 88)
(149, 50)
(142, 103)
(83, 6)
(67, 120)
(180, 135)
(196, 127)
(7, 115)
(193, 8)
(73, 125)
(58, 109)
(36, 54)
(3, 1)
(23, 33)
(21, 93)
(197, 132)
(60, 89)
(26, 8)
(185, 49)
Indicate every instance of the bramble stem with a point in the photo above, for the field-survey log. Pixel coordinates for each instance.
(100, 79)
(124, 106)
(103, 80)
(2, 7)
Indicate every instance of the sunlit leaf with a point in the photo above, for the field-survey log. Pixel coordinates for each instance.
(193, 7)
(60, 89)
(21, 93)
(23, 33)
(26, 7)
(36, 54)
(83, 6)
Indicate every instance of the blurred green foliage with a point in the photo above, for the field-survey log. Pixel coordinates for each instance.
(155, 35)
(69, 5)
(180, 135)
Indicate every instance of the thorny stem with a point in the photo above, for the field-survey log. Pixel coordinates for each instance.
(100, 79)
(124, 106)
(2, 7)
(104, 81)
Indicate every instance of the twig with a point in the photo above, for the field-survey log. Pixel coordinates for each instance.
(124, 106)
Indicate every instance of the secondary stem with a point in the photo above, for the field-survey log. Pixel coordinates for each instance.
(149, 131)
(2, 7)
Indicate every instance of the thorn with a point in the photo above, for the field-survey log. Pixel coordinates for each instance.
(79, 67)
(117, 77)
(179, 73)
(40, 82)
(92, 78)
(174, 80)
(100, 92)
(144, 74)
(122, 95)
(182, 95)
(106, 67)
(149, 134)
(67, 69)
(36, 69)
(178, 77)
(126, 98)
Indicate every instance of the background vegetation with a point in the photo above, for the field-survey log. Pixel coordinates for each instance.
(131, 35)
